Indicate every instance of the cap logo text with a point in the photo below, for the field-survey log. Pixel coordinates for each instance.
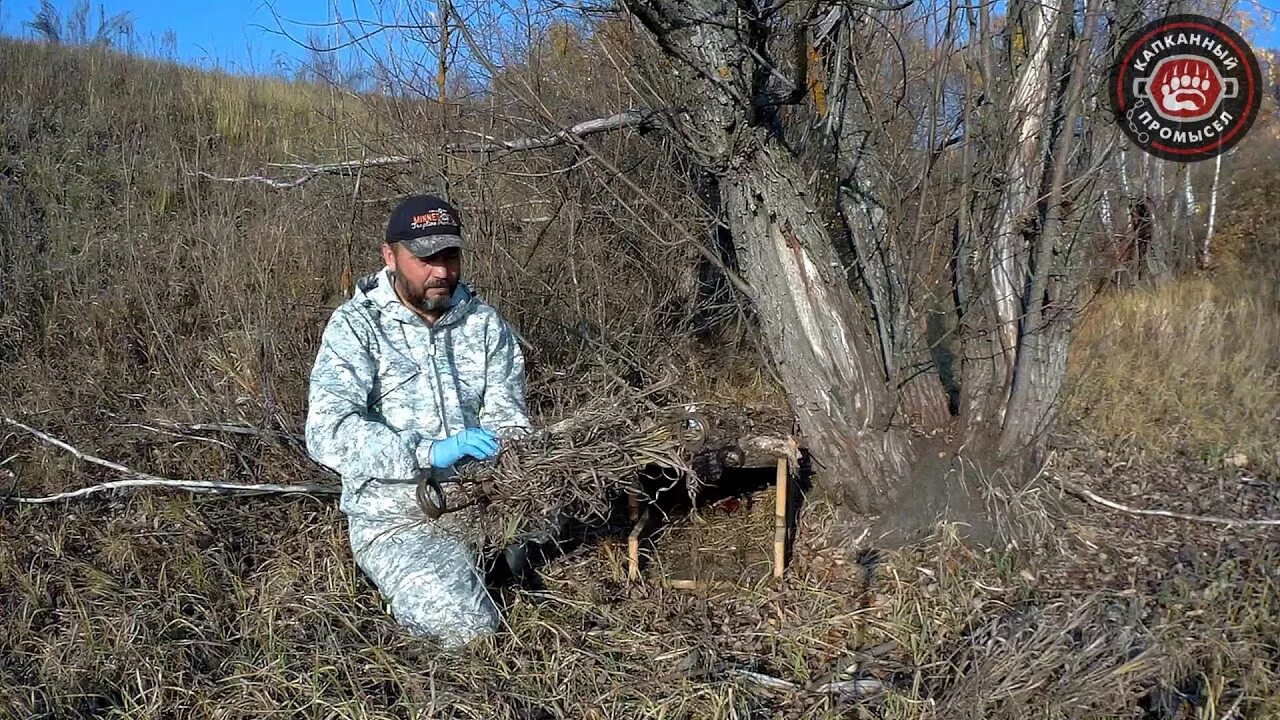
(433, 218)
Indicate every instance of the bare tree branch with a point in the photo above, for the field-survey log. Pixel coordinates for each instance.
(863, 686)
(201, 486)
(140, 479)
(1211, 519)
(641, 120)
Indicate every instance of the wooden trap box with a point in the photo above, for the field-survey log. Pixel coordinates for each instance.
(737, 541)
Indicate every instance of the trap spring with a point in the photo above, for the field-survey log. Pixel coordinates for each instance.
(428, 486)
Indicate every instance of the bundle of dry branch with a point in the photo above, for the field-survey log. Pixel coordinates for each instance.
(578, 467)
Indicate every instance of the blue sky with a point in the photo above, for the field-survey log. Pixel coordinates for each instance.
(234, 35)
(223, 33)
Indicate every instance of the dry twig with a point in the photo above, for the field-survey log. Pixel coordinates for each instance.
(607, 448)
(638, 119)
(575, 467)
(140, 479)
(1213, 519)
(861, 686)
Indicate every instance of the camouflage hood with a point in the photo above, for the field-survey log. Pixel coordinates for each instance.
(377, 293)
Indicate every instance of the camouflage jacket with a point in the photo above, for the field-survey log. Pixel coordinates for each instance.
(386, 384)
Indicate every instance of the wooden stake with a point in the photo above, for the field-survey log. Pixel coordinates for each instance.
(633, 546)
(780, 518)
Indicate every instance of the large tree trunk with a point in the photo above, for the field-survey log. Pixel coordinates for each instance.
(1048, 310)
(821, 346)
(842, 328)
(826, 353)
(1007, 260)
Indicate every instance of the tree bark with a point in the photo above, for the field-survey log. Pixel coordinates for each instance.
(811, 321)
(825, 353)
(844, 349)
(1047, 312)
(1007, 258)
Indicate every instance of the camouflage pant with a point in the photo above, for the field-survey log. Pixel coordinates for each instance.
(430, 579)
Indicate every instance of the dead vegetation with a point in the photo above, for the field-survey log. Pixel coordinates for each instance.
(171, 606)
(1193, 366)
(136, 292)
(580, 466)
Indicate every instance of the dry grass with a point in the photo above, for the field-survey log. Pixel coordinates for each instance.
(173, 607)
(1191, 365)
(132, 291)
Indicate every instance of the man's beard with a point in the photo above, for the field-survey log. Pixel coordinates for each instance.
(417, 296)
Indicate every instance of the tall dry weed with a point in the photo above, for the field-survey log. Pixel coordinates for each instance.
(1190, 365)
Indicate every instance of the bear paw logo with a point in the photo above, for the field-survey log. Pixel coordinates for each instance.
(1182, 92)
(1186, 88)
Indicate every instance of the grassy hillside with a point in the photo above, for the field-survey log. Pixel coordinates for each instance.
(1192, 366)
(131, 285)
(134, 290)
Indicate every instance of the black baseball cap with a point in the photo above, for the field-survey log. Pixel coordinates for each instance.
(425, 224)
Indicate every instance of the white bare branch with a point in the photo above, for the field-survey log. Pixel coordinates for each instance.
(638, 119)
(864, 686)
(202, 486)
(1211, 519)
(134, 478)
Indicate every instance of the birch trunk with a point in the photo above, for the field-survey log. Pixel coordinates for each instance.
(1207, 246)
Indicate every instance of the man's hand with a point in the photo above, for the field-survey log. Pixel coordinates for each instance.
(475, 443)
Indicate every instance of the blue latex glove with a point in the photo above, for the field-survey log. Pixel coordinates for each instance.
(475, 443)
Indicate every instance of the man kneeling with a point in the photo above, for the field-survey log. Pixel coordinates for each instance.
(414, 374)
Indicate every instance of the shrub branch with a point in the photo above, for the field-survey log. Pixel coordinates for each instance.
(1212, 519)
(639, 119)
(133, 478)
